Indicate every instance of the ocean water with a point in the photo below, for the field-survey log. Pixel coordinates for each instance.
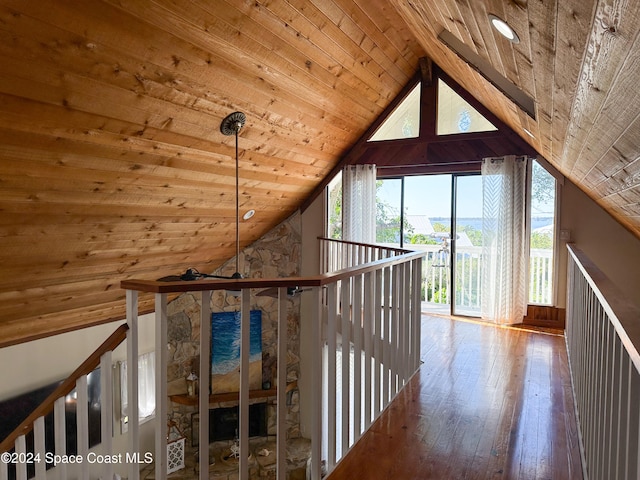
(536, 222)
(225, 340)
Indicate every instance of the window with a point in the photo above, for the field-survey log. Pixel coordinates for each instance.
(146, 389)
(388, 211)
(426, 206)
(455, 115)
(334, 208)
(404, 121)
(542, 235)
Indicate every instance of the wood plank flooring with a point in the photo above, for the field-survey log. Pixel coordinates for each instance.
(487, 403)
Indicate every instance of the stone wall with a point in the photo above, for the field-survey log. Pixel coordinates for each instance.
(276, 254)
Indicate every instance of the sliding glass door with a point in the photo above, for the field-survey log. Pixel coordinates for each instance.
(441, 215)
(466, 245)
(427, 227)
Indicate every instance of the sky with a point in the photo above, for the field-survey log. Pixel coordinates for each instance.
(431, 195)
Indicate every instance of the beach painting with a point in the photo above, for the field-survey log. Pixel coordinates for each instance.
(225, 351)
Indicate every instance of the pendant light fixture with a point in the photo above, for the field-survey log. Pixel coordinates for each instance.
(231, 125)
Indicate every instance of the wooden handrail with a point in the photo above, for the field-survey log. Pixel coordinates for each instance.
(368, 245)
(154, 286)
(66, 387)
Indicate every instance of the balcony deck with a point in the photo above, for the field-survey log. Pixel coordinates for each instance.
(488, 402)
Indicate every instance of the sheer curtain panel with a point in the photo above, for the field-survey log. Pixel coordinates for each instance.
(146, 389)
(505, 242)
(359, 203)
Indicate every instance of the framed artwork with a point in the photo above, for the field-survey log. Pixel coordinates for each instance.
(225, 351)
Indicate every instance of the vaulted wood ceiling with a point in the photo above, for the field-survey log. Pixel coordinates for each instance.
(112, 164)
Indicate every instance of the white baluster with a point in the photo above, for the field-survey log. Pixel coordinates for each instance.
(106, 409)
(161, 385)
(316, 385)
(281, 445)
(244, 383)
(615, 441)
(332, 310)
(395, 331)
(60, 436)
(346, 311)
(21, 451)
(633, 419)
(133, 413)
(82, 424)
(357, 357)
(416, 312)
(39, 449)
(204, 381)
(368, 320)
(4, 471)
(386, 345)
(377, 346)
(405, 351)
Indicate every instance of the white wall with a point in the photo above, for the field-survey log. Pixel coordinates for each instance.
(605, 241)
(42, 362)
(312, 228)
(35, 364)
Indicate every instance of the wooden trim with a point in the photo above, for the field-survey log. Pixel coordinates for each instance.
(229, 397)
(427, 169)
(37, 335)
(154, 286)
(545, 316)
(361, 143)
(116, 338)
(427, 73)
(368, 245)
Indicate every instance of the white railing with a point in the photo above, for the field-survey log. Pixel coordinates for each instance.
(437, 268)
(541, 276)
(366, 331)
(370, 313)
(14, 447)
(337, 254)
(372, 346)
(603, 335)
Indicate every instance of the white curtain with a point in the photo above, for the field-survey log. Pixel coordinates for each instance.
(505, 242)
(146, 388)
(359, 203)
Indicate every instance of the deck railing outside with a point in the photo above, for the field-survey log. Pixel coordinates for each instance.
(436, 277)
(603, 337)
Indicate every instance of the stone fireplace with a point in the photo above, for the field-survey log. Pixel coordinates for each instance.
(223, 422)
(274, 255)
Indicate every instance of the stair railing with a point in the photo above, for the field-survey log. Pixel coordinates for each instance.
(14, 446)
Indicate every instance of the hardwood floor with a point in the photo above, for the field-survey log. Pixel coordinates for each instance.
(487, 403)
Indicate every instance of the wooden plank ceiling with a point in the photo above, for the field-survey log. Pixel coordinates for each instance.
(112, 165)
